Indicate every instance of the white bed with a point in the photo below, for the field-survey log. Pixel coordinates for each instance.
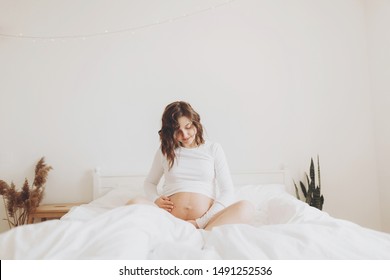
(284, 228)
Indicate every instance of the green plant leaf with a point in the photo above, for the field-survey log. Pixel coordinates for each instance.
(303, 188)
(296, 191)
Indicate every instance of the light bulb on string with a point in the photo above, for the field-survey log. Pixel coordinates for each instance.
(105, 32)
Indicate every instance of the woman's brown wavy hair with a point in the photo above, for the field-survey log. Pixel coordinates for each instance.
(170, 125)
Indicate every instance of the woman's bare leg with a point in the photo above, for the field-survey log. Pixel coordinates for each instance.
(241, 212)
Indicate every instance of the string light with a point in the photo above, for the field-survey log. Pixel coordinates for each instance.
(131, 30)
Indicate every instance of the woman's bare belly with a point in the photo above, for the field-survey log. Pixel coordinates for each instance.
(190, 206)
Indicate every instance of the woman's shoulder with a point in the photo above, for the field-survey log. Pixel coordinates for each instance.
(212, 146)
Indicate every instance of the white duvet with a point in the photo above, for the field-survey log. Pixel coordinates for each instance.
(284, 228)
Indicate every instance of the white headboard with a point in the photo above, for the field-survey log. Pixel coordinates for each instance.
(102, 183)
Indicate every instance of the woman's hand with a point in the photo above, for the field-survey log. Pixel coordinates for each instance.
(164, 203)
(193, 223)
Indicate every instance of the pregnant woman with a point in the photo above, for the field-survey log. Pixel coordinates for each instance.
(198, 187)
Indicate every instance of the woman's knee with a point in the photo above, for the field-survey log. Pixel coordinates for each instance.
(245, 208)
(245, 205)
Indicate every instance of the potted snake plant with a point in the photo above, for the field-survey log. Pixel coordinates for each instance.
(312, 193)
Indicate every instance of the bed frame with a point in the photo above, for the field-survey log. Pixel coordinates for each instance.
(102, 183)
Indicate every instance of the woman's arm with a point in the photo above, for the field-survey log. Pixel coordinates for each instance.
(224, 179)
(225, 185)
(154, 176)
(151, 182)
(214, 209)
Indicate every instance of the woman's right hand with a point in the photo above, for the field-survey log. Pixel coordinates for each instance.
(164, 202)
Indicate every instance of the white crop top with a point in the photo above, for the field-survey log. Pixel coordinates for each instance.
(197, 170)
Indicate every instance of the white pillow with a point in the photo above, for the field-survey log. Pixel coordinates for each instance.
(117, 197)
(259, 195)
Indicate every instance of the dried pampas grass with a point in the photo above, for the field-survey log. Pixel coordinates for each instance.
(20, 203)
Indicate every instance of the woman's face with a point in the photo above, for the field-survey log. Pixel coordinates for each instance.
(186, 133)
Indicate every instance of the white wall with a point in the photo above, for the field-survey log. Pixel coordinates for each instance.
(276, 82)
(378, 12)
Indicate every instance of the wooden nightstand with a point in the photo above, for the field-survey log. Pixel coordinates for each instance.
(50, 211)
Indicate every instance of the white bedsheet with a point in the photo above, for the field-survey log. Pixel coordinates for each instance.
(284, 228)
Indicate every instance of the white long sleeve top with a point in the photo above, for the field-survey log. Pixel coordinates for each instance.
(203, 170)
